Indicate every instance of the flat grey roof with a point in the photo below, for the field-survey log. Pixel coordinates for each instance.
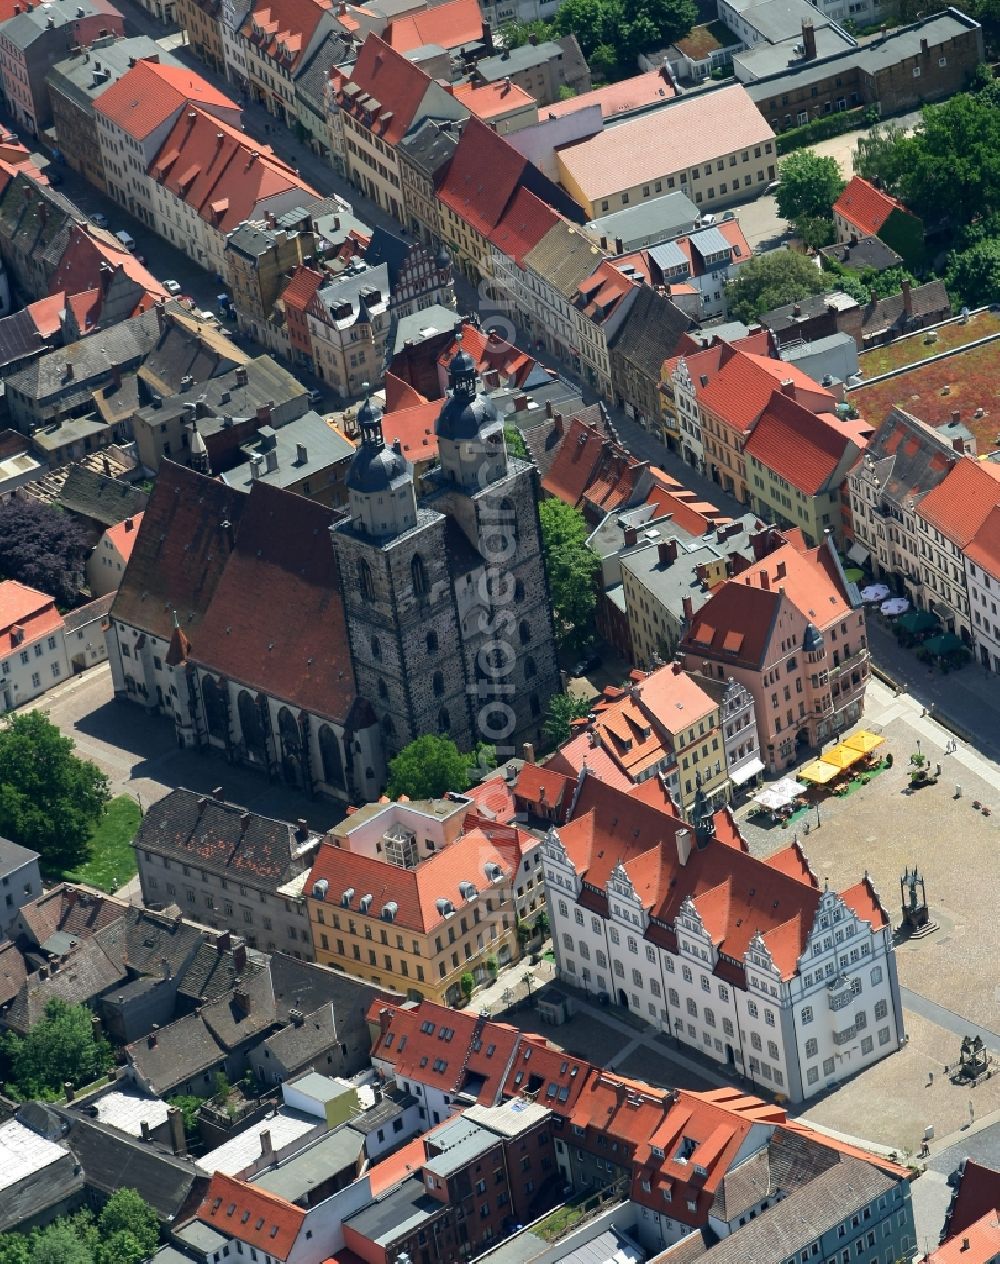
(772, 59)
(405, 1207)
(308, 1169)
(661, 218)
(670, 584)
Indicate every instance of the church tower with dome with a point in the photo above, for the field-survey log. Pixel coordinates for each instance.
(447, 601)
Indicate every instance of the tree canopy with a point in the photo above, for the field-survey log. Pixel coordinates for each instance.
(611, 33)
(50, 799)
(572, 568)
(126, 1232)
(43, 548)
(61, 1049)
(771, 280)
(974, 274)
(809, 186)
(515, 441)
(430, 767)
(562, 710)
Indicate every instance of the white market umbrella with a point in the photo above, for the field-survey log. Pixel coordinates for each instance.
(895, 605)
(875, 592)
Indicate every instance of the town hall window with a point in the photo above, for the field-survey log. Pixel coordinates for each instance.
(419, 573)
(365, 580)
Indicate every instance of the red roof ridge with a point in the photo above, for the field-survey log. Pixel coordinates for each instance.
(865, 206)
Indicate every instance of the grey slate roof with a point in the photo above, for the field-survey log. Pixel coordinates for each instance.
(300, 1043)
(112, 1159)
(297, 1177)
(19, 338)
(213, 973)
(649, 333)
(182, 1050)
(323, 447)
(809, 1211)
(93, 70)
(245, 846)
(335, 49)
(142, 940)
(14, 856)
(104, 499)
(866, 252)
(223, 396)
(90, 360)
(28, 26)
(306, 985)
(926, 300)
(86, 973)
(430, 145)
(650, 222)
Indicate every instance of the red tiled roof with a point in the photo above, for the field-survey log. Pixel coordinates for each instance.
(80, 268)
(400, 394)
(123, 535)
(491, 352)
(448, 25)
(417, 892)
(13, 972)
(984, 548)
(493, 798)
(960, 504)
(415, 430)
(482, 177)
(47, 314)
(978, 1243)
(522, 226)
(978, 1193)
(586, 458)
(539, 1069)
(302, 287)
(146, 96)
(599, 295)
(863, 900)
(283, 29)
(253, 1215)
(492, 100)
(25, 615)
(804, 449)
(542, 787)
(742, 387)
(866, 207)
(225, 180)
(283, 551)
(618, 98)
(580, 751)
(395, 83)
(395, 1168)
(695, 516)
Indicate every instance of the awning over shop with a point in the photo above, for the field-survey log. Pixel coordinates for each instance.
(750, 769)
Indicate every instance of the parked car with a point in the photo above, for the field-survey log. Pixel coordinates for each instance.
(315, 399)
(126, 239)
(99, 219)
(588, 664)
(172, 287)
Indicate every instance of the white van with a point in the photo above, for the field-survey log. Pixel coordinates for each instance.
(126, 239)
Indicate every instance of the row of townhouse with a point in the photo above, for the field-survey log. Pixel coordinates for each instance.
(676, 1165)
(749, 961)
(765, 431)
(928, 518)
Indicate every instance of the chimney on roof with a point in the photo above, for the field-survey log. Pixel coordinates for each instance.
(907, 297)
(788, 388)
(925, 48)
(241, 375)
(129, 525)
(217, 794)
(165, 969)
(266, 1149)
(528, 752)
(630, 535)
(301, 454)
(667, 550)
(144, 1129)
(965, 1241)
(765, 580)
(264, 414)
(241, 999)
(151, 1038)
(684, 842)
(688, 606)
(780, 571)
(178, 1142)
(521, 404)
(240, 958)
(808, 41)
(557, 423)
(222, 944)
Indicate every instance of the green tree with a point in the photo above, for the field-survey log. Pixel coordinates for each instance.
(468, 985)
(43, 548)
(880, 156)
(126, 1213)
(809, 186)
(428, 768)
(815, 231)
(973, 275)
(593, 22)
(57, 1243)
(884, 284)
(50, 799)
(572, 567)
(189, 1107)
(850, 283)
(603, 62)
(771, 280)
(542, 926)
(517, 34)
(515, 442)
(61, 1049)
(14, 1249)
(562, 710)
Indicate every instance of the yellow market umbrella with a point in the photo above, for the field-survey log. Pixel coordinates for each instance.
(819, 772)
(842, 756)
(863, 741)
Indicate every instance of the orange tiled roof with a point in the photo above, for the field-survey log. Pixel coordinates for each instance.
(978, 1193)
(253, 1215)
(483, 176)
(415, 429)
(492, 100)
(283, 29)
(542, 787)
(492, 353)
(522, 226)
(448, 25)
(220, 172)
(591, 466)
(394, 1168)
(47, 314)
(742, 387)
(581, 751)
(400, 394)
(556, 1079)
(80, 271)
(25, 615)
(599, 295)
(961, 503)
(493, 798)
(618, 98)
(984, 548)
(302, 287)
(804, 449)
(397, 85)
(417, 893)
(979, 1243)
(122, 535)
(866, 207)
(145, 97)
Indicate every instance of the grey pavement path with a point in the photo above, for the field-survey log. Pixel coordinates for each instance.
(969, 698)
(947, 1018)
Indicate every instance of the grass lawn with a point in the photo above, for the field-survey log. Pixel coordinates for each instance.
(112, 857)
